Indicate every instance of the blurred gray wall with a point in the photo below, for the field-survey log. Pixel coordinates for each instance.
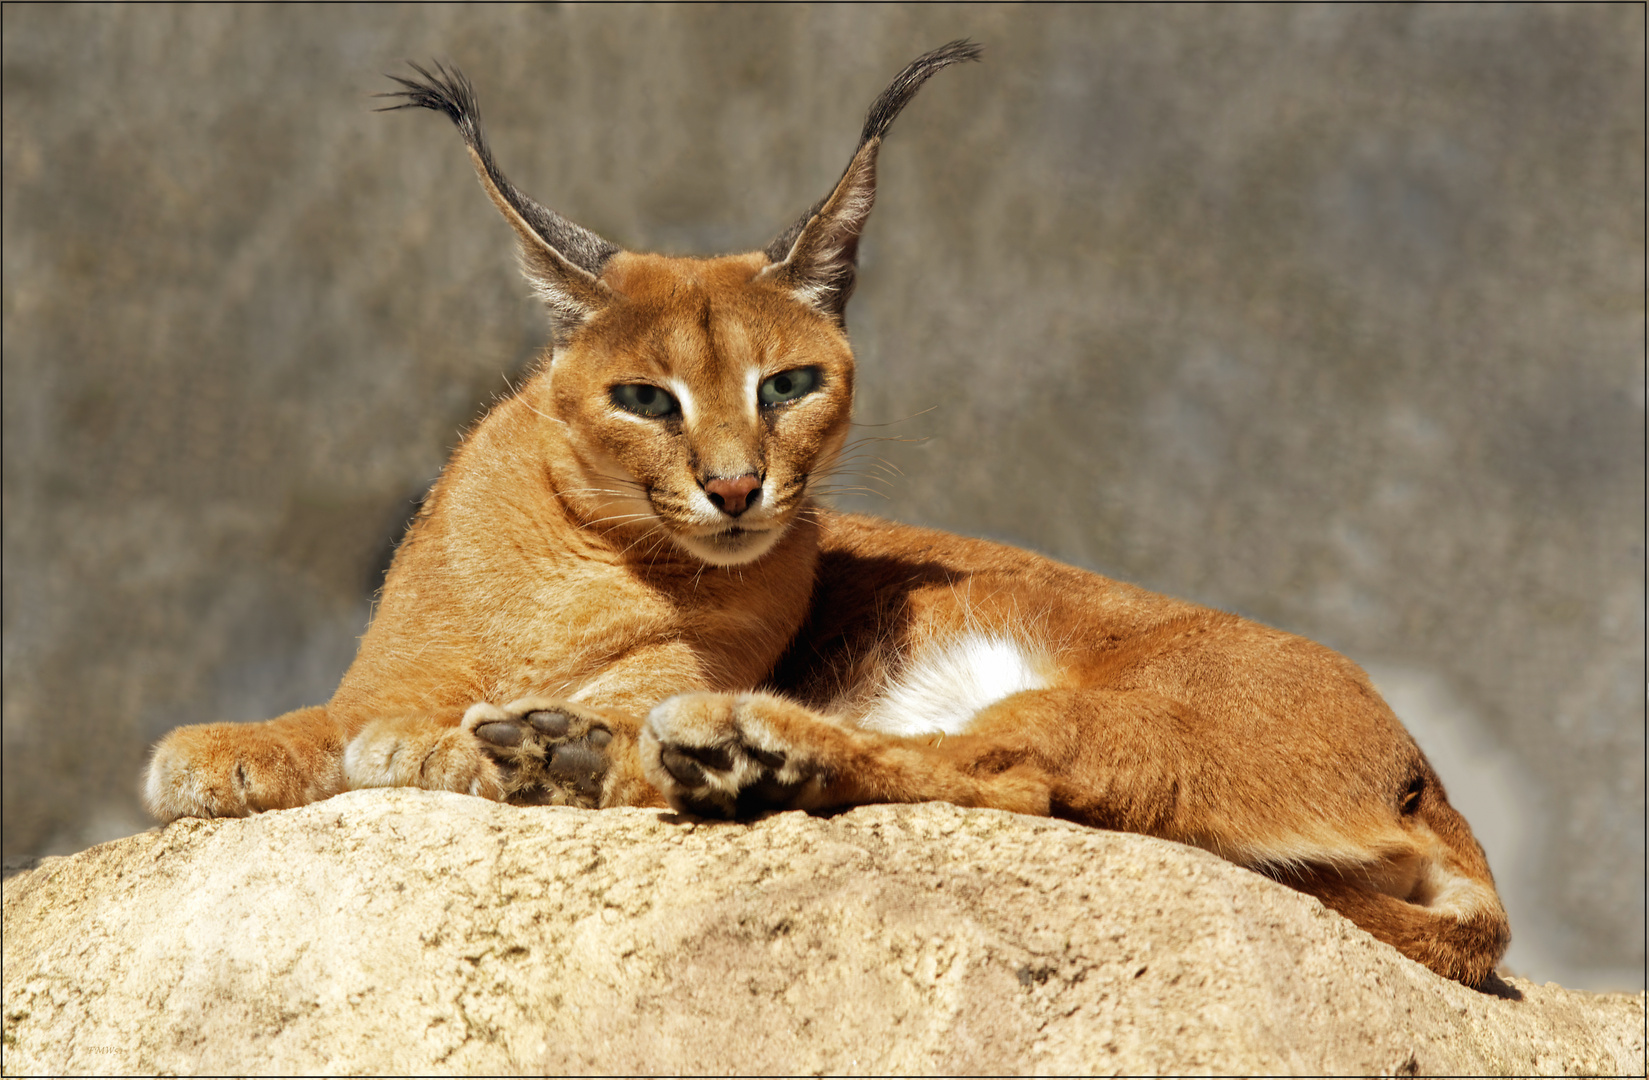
(1332, 316)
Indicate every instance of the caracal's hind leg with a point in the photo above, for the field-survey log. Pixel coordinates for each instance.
(1362, 824)
(534, 751)
(1460, 939)
(1432, 897)
(733, 755)
(232, 770)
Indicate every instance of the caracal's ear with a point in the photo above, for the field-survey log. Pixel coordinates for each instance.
(562, 260)
(817, 256)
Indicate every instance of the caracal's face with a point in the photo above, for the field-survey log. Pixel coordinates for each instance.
(700, 404)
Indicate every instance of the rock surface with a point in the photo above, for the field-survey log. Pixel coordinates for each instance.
(408, 932)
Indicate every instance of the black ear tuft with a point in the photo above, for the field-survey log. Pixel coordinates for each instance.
(887, 107)
(446, 90)
(817, 256)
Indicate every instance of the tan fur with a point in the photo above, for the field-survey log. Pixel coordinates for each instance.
(571, 619)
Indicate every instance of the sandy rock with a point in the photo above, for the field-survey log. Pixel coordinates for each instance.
(405, 932)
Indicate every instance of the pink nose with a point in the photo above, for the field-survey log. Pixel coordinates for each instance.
(734, 495)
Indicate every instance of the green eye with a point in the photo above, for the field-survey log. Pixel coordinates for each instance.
(787, 386)
(644, 400)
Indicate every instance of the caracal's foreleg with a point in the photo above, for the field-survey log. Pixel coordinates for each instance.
(532, 751)
(733, 755)
(232, 770)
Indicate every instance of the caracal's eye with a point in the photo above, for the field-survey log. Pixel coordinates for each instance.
(787, 386)
(644, 400)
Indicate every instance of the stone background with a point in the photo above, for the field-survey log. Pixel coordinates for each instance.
(1330, 315)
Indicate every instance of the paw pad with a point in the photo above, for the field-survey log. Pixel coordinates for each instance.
(727, 781)
(548, 757)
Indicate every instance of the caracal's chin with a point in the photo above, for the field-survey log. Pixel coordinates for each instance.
(733, 546)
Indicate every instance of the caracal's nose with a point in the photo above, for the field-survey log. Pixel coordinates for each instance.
(734, 496)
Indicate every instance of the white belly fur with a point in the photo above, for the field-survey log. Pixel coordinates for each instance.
(945, 686)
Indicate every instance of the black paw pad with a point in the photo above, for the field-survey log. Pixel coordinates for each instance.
(571, 760)
(690, 766)
(688, 763)
(554, 724)
(548, 757)
(767, 794)
(578, 768)
(501, 733)
(681, 766)
(704, 808)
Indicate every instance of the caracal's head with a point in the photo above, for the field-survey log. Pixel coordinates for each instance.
(694, 397)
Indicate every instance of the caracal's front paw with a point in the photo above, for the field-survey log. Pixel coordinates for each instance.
(548, 752)
(727, 755)
(231, 770)
(421, 752)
